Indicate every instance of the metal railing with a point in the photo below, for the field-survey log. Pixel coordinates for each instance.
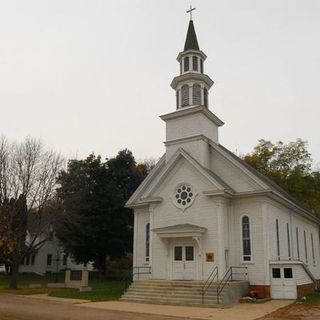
(136, 271)
(230, 276)
(213, 276)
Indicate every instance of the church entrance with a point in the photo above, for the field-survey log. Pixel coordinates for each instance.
(183, 263)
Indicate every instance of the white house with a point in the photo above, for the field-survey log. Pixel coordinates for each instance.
(202, 208)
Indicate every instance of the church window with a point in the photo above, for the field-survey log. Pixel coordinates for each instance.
(186, 64)
(185, 95)
(246, 239)
(201, 65)
(196, 94)
(184, 195)
(297, 238)
(312, 248)
(205, 97)
(178, 253)
(147, 241)
(177, 96)
(305, 246)
(195, 63)
(278, 240)
(289, 244)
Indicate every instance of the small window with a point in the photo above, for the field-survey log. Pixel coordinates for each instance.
(185, 95)
(196, 94)
(64, 259)
(289, 244)
(28, 260)
(195, 63)
(186, 63)
(189, 253)
(49, 259)
(178, 253)
(278, 239)
(305, 246)
(297, 238)
(201, 65)
(177, 98)
(287, 273)
(205, 97)
(147, 241)
(276, 274)
(246, 240)
(33, 259)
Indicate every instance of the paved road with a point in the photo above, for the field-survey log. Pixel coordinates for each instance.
(14, 307)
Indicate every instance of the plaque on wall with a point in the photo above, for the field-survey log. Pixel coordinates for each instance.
(209, 256)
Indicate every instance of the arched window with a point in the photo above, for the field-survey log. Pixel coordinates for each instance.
(177, 98)
(196, 94)
(246, 240)
(185, 95)
(194, 63)
(205, 97)
(147, 241)
(186, 63)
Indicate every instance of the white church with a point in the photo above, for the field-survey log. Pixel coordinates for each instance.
(203, 214)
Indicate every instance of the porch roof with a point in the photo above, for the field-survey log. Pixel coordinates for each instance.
(180, 231)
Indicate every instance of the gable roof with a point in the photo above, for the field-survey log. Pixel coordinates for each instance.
(161, 171)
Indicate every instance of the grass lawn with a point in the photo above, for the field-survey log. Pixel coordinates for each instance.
(101, 290)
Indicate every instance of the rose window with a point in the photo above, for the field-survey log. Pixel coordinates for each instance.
(184, 195)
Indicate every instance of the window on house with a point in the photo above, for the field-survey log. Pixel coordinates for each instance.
(287, 272)
(147, 241)
(185, 95)
(305, 246)
(205, 97)
(289, 244)
(64, 259)
(201, 65)
(195, 63)
(246, 241)
(297, 238)
(276, 273)
(312, 248)
(28, 259)
(186, 63)
(33, 259)
(49, 259)
(278, 240)
(196, 94)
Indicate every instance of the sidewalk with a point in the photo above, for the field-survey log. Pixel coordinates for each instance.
(240, 311)
(44, 296)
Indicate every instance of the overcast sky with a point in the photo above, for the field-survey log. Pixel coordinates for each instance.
(94, 75)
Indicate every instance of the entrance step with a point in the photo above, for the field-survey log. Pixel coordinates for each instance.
(184, 293)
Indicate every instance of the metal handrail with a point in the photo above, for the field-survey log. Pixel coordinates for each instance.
(129, 278)
(228, 277)
(138, 271)
(213, 275)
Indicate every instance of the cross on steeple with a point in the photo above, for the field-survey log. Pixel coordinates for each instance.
(190, 11)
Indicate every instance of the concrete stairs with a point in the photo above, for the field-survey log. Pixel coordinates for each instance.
(186, 293)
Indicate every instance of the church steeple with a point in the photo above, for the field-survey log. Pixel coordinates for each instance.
(191, 39)
(192, 85)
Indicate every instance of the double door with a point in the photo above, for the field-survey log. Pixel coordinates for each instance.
(184, 263)
(283, 285)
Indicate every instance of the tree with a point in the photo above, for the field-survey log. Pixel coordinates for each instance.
(28, 175)
(290, 166)
(94, 224)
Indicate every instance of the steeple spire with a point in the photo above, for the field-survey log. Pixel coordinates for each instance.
(191, 39)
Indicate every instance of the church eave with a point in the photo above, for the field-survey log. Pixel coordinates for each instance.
(186, 111)
(189, 76)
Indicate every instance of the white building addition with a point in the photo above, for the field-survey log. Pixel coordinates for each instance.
(202, 212)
